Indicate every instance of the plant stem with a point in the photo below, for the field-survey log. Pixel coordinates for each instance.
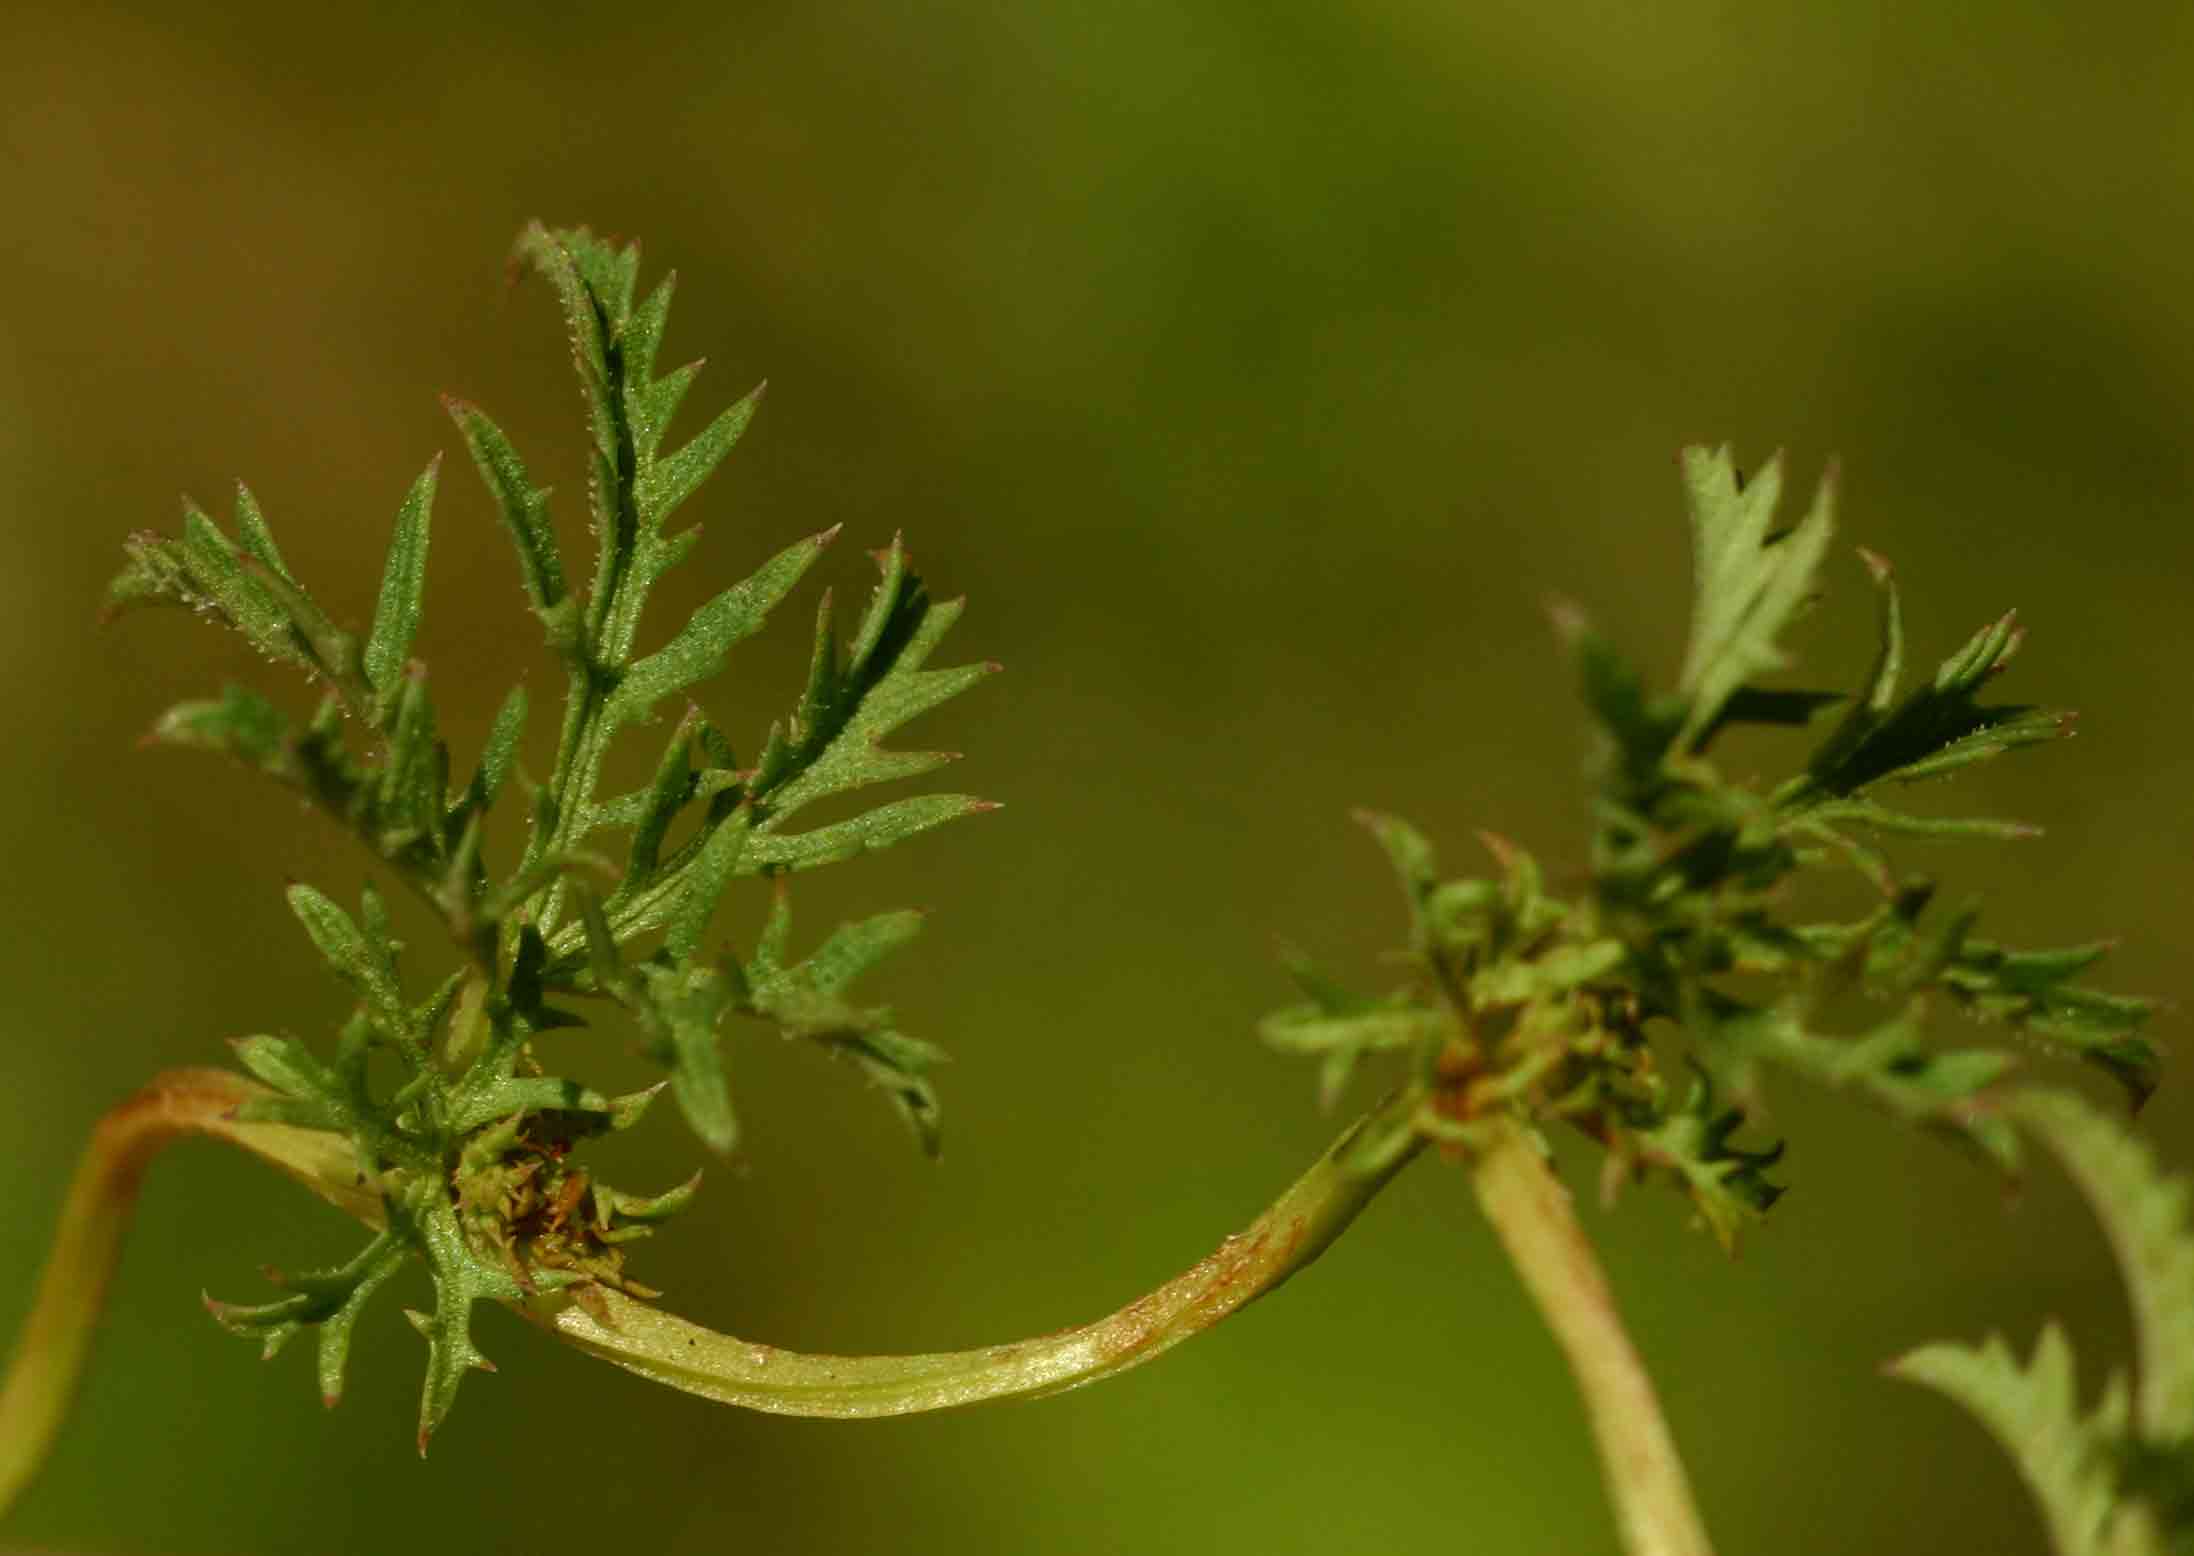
(1293, 1231)
(1531, 1211)
(49, 1354)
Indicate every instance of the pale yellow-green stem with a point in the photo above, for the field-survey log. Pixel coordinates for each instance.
(87, 1244)
(1531, 1212)
(1294, 1230)
(50, 1355)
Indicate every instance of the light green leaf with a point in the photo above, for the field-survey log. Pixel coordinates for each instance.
(1748, 583)
(2064, 1457)
(2145, 1214)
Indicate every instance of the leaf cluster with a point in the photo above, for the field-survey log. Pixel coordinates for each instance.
(1679, 942)
(469, 1146)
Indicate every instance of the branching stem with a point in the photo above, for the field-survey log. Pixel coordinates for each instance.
(1531, 1211)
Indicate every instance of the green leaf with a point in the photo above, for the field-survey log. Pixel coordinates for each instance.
(835, 741)
(240, 724)
(257, 539)
(698, 652)
(682, 1010)
(496, 757)
(640, 340)
(776, 852)
(647, 1210)
(216, 567)
(523, 507)
(1937, 728)
(1749, 581)
(1640, 728)
(701, 886)
(314, 1096)
(1408, 849)
(2064, 1456)
(805, 1000)
(672, 480)
(1877, 697)
(659, 804)
(2145, 1214)
(327, 1300)
(2033, 991)
(211, 575)
(594, 283)
(411, 802)
(425, 1217)
(1728, 1184)
(1342, 1037)
(1866, 813)
(403, 593)
(472, 1106)
(1889, 1066)
(368, 969)
(856, 948)
(1391, 1026)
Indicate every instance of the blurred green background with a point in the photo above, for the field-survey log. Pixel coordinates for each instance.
(1258, 370)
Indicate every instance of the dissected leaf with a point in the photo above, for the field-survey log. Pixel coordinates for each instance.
(2063, 1454)
(2146, 1215)
(1749, 580)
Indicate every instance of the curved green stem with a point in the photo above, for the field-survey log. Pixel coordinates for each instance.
(1297, 1227)
(1531, 1212)
(51, 1351)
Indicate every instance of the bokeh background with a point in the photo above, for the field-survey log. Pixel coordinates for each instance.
(1259, 371)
